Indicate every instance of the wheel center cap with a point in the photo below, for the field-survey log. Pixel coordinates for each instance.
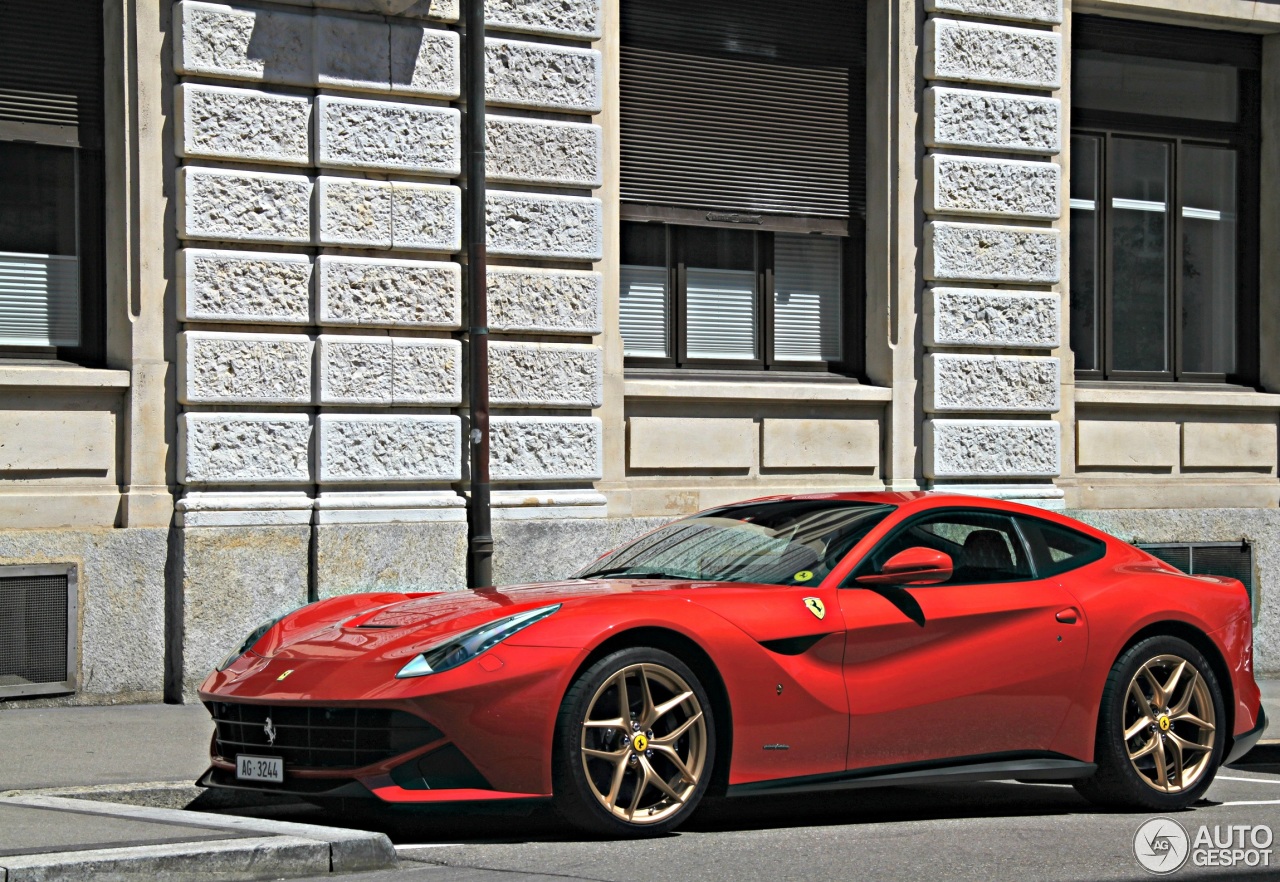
(640, 742)
(1164, 722)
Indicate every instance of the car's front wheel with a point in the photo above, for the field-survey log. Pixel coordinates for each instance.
(1159, 737)
(635, 745)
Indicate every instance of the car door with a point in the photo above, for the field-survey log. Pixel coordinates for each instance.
(976, 666)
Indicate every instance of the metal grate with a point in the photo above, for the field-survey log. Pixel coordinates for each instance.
(36, 612)
(1232, 559)
(319, 737)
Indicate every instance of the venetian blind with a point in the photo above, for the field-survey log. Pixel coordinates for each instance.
(732, 105)
(51, 65)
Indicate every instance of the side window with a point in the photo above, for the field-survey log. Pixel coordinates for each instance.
(1059, 549)
(984, 547)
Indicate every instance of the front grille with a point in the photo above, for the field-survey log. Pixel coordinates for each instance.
(319, 737)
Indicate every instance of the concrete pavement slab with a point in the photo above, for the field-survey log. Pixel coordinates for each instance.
(117, 744)
(27, 829)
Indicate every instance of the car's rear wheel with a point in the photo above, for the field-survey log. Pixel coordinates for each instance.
(1159, 737)
(635, 745)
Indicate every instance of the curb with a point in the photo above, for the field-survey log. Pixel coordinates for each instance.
(281, 848)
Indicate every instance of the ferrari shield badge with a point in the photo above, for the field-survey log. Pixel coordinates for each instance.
(815, 606)
(290, 671)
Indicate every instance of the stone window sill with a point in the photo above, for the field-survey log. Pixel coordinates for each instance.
(730, 390)
(1233, 397)
(65, 376)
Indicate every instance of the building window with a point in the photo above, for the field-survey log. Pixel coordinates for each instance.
(742, 179)
(1164, 184)
(51, 200)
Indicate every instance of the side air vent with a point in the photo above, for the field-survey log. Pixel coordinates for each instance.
(1233, 559)
(38, 621)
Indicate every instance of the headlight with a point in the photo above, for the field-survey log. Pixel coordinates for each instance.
(469, 644)
(256, 635)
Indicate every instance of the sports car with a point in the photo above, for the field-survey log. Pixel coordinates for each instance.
(780, 645)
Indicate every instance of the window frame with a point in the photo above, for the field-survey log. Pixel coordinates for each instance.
(763, 259)
(1243, 136)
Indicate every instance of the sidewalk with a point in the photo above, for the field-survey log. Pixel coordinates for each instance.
(95, 792)
(64, 772)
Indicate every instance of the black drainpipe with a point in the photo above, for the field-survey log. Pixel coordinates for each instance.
(480, 547)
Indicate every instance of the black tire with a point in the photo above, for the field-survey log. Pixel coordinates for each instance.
(1129, 772)
(627, 764)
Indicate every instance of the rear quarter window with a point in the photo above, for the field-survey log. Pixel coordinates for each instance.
(1059, 549)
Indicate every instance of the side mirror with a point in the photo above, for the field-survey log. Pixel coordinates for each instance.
(915, 566)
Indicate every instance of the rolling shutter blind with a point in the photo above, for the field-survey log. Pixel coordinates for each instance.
(51, 65)
(729, 105)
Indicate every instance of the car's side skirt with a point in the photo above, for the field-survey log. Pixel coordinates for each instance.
(992, 767)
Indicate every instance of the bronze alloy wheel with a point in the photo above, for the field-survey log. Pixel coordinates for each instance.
(1169, 724)
(644, 743)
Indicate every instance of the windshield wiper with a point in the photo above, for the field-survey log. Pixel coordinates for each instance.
(626, 571)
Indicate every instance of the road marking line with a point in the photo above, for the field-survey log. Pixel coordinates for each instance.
(1251, 802)
(1250, 780)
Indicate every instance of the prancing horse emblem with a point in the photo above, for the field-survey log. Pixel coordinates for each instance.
(815, 606)
(270, 730)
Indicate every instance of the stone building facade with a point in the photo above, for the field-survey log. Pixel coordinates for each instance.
(278, 410)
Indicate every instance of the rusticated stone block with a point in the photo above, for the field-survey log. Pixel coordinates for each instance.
(539, 75)
(243, 286)
(216, 40)
(355, 212)
(439, 10)
(540, 152)
(223, 123)
(427, 371)
(546, 301)
(352, 53)
(974, 253)
(428, 217)
(243, 206)
(546, 374)
(545, 449)
(991, 187)
(360, 449)
(424, 61)
(991, 121)
(991, 319)
(244, 448)
(992, 54)
(355, 370)
(531, 225)
(991, 383)
(1041, 11)
(570, 18)
(218, 368)
(992, 449)
(359, 134)
(363, 291)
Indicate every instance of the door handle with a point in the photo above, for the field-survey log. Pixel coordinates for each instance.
(1068, 616)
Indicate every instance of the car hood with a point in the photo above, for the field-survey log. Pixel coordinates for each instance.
(401, 625)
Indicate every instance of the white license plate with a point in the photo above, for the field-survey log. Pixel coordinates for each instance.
(260, 768)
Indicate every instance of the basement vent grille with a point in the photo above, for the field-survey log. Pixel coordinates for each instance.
(1233, 559)
(37, 619)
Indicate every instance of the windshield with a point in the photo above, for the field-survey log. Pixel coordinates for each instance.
(789, 542)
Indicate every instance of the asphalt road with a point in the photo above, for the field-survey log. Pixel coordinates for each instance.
(992, 831)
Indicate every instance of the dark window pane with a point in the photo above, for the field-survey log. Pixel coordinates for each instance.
(37, 199)
(983, 547)
(1208, 259)
(721, 310)
(1059, 549)
(643, 298)
(1139, 254)
(1154, 86)
(1085, 272)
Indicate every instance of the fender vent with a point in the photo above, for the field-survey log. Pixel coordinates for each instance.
(37, 619)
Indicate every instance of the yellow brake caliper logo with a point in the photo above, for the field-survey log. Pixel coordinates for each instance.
(640, 742)
(815, 606)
